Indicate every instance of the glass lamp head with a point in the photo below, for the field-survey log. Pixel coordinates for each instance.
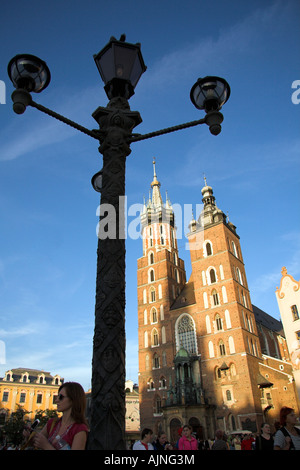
(29, 72)
(210, 93)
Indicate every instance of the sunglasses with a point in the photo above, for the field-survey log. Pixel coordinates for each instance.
(60, 396)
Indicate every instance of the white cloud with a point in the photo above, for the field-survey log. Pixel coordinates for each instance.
(19, 331)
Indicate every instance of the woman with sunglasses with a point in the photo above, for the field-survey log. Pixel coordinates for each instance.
(70, 431)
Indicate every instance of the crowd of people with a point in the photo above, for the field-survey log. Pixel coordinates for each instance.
(285, 437)
(70, 431)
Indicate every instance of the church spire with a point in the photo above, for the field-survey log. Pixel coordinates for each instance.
(155, 185)
(155, 209)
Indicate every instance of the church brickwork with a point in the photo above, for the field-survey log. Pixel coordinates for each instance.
(200, 342)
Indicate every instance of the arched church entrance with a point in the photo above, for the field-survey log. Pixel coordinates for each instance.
(197, 428)
(175, 425)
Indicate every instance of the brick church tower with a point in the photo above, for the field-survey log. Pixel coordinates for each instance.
(199, 350)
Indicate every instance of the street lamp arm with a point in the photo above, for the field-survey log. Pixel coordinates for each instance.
(167, 130)
(213, 119)
(67, 121)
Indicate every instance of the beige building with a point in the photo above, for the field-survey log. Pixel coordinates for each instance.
(32, 389)
(288, 298)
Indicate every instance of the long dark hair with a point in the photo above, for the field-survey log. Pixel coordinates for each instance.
(285, 410)
(76, 394)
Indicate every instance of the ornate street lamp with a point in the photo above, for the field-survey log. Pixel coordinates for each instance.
(120, 65)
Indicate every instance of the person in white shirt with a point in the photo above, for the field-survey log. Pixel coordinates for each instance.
(145, 442)
(288, 436)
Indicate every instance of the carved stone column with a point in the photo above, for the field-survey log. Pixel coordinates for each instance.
(107, 422)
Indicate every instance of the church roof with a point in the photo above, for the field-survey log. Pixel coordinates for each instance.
(268, 321)
(186, 297)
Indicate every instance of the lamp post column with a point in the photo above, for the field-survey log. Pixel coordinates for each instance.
(107, 425)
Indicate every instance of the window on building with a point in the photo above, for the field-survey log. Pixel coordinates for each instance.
(234, 250)
(22, 397)
(154, 337)
(208, 248)
(162, 238)
(154, 315)
(215, 298)
(5, 396)
(158, 405)
(152, 295)
(212, 276)
(151, 384)
(151, 258)
(163, 382)
(151, 275)
(186, 334)
(222, 348)
(219, 324)
(156, 361)
(39, 398)
(295, 312)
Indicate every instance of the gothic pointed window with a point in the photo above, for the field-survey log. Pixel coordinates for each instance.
(219, 324)
(162, 238)
(208, 248)
(186, 334)
(156, 361)
(222, 348)
(158, 405)
(154, 338)
(151, 275)
(152, 294)
(212, 276)
(153, 315)
(215, 298)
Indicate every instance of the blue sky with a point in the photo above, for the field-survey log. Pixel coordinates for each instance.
(47, 204)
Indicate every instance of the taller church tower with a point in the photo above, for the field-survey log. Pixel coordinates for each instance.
(198, 345)
(161, 278)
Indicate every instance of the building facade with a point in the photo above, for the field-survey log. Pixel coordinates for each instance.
(288, 298)
(32, 389)
(200, 354)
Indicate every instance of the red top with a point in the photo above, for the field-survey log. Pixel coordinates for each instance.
(68, 435)
(247, 444)
(186, 444)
